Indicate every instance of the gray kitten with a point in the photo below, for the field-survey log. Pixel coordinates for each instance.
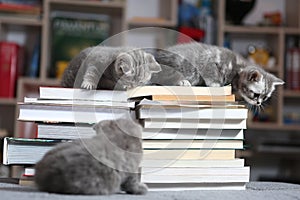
(207, 65)
(103, 67)
(105, 164)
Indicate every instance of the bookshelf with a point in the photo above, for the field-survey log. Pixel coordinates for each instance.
(33, 27)
(276, 38)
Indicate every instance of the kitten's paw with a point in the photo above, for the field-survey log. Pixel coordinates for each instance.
(215, 85)
(88, 85)
(185, 83)
(140, 188)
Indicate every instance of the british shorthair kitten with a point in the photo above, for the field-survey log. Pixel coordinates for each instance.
(207, 65)
(103, 67)
(105, 164)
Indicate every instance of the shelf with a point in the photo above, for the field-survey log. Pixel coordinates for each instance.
(149, 21)
(292, 30)
(18, 20)
(38, 81)
(291, 93)
(252, 29)
(102, 4)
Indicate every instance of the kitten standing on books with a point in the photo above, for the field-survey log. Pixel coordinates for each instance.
(105, 164)
(103, 67)
(213, 66)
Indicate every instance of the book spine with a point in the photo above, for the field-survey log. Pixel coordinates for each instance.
(9, 54)
(296, 70)
(289, 68)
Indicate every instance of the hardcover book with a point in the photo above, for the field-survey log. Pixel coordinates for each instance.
(73, 32)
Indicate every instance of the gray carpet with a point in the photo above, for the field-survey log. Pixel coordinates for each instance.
(255, 190)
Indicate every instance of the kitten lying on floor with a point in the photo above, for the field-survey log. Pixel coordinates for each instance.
(103, 67)
(104, 164)
(213, 66)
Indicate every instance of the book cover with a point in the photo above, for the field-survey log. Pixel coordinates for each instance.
(194, 123)
(192, 144)
(159, 112)
(142, 91)
(191, 163)
(82, 94)
(188, 154)
(195, 175)
(172, 134)
(73, 32)
(69, 113)
(26, 151)
(10, 68)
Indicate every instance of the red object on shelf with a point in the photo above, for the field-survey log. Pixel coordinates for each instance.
(189, 34)
(9, 68)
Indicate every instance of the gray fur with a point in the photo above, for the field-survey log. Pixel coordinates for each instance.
(102, 165)
(103, 67)
(208, 65)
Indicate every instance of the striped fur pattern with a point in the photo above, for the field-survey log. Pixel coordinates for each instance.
(103, 67)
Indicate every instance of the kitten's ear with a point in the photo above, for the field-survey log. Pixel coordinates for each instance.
(124, 63)
(254, 76)
(277, 81)
(153, 66)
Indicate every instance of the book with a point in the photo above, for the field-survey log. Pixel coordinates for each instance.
(78, 102)
(195, 175)
(192, 144)
(191, 163)
(69, 113)
(144, 91)
(82, 94)
(20, 8)
(73, 32)
(171, 134)
(195, 186)
(26, 151)
(190, 98)
(158, 112)
(10, 68)
(194, 123)
(188, 154)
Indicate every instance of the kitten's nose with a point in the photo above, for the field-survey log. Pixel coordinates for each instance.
(258, 103)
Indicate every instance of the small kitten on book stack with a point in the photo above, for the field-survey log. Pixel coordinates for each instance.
(213, 66)
(103, 67)
(102, 165)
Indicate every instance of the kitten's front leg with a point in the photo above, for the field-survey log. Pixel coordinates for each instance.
(132, 185)
(91, 78)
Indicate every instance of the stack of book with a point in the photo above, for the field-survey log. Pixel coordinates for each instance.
(62, 114)
(190, 137)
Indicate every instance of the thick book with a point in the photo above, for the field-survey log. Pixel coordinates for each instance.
(82, 130)
(73, 31)
(69, 113)
(192, 163)
(209, 98)
(195, 186)
(57, 93)
(194, 123)
(26, 151)
(144, 91)
(192, 144)
(235, 134)
(79, 102)
(10, 68)
(188, 154)
(159, 112)
(196, 175)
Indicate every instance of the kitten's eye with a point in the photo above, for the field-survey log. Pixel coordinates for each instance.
(256, 95)
(265, 98)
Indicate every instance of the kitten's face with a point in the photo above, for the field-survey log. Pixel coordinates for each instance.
(135, 68)
(256, 86)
